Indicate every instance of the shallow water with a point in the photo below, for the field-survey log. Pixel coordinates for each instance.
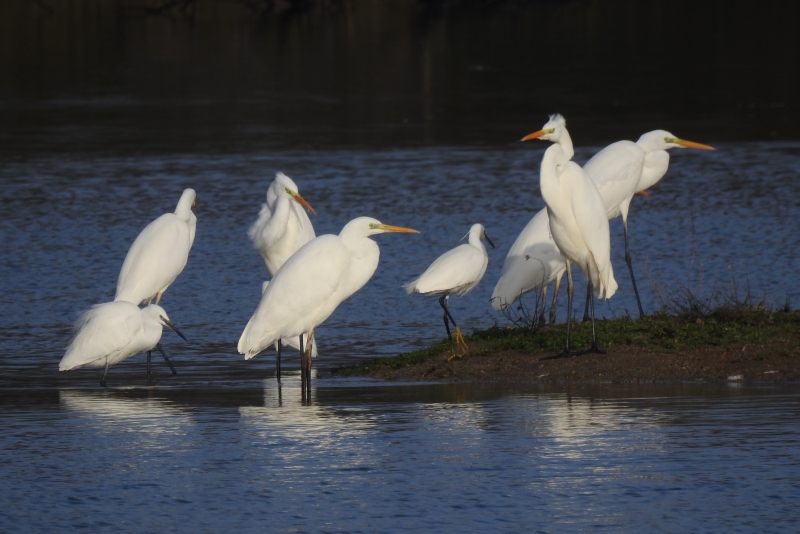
(377, 458)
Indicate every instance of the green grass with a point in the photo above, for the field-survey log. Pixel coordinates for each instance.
(655, 333)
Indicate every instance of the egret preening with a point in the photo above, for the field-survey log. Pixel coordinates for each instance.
(311, 284)
(159, 254)
(577, 215)
(533, 262)
(282, 226)
(114, 331)
(625, 168)
(456, 271)
(281, 229)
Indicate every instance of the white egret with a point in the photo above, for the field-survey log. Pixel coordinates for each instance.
(533, 262)
(282, 227)
(114, 331)
(311, 284)
(577, 217)
(293, 342)
(456, 271)
(625, 168)
(159, 254)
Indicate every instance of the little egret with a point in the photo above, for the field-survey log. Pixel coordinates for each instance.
(282, 227)
(625, 168)
(159, 254)
(456, 271)
(311, 284)
(533, 262)
(577, 217)
(114, 331)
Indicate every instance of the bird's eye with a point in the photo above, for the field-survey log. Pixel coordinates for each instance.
(373, 226)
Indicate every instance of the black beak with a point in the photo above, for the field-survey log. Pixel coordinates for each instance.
(488, 240)
(172, 326)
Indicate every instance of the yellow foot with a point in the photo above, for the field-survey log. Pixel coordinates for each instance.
(460, 346)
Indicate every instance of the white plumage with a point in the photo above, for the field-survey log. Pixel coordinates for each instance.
(312, 283)
(533, 262)
(112, 332)
(159, 254)
(282, 226)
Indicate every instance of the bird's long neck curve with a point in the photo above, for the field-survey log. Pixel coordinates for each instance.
(184, 207)
(548, 173)
(475, 235)
(565, 142)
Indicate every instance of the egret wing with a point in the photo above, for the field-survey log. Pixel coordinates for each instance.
(104, 330)
(616, 171)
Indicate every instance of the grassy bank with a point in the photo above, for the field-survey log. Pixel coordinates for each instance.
(749, 343)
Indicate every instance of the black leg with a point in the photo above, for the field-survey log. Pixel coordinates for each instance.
(149, 377)
(569, 307)
(586, 316)
(446, 313)
(595, 347)
(105, 374)
(630, 266)
(278, 362)
(166, 359)
(302, 370)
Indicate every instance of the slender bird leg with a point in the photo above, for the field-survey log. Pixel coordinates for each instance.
(309, 347)
(595, 347)
(158, 297)
(105, 374)
(278, 362)
(166, 359)
(554, 304)
(586, 316)
(460, 344)
(569, 306)
(302, 370)
(444, 307)
(630, 266)
(149, 378)
(541, 310)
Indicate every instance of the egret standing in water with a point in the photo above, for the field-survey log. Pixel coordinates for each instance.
(456, 271)
(159, 254)
(625, 168)
(310, 285)
(577, 217)
(281, 229)
(114, 331)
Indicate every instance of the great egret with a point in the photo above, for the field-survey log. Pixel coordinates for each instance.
(159, 254)
(282, 226)
(311, 284)
(294, 342)
(456, 271)
(281, 229)
(533, 262)
(625, 168)
(577, 217)
(114, 331)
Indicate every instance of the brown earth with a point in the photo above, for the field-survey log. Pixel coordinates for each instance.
(769, 362)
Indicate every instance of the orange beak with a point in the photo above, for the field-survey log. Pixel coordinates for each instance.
(643, 193)
(398, 229)
(300, 200)
(196, 205)
(534, 135)
(692, 144)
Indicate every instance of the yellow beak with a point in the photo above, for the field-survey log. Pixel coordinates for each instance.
(398, 229)
(534, 135)
(691, 144)
(303, 202)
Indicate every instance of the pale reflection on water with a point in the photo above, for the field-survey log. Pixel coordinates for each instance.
(384, 458)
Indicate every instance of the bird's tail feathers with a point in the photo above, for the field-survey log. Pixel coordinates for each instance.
(411, 286)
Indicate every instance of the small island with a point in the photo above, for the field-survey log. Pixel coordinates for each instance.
(752, 344)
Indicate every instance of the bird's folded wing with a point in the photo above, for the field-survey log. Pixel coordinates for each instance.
(103, 330)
